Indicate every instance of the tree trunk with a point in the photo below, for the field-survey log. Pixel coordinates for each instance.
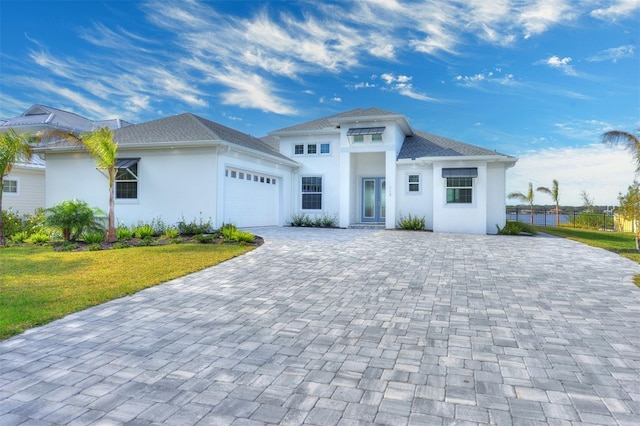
(111, 225)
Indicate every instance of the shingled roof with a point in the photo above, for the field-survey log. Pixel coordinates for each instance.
(329, 122)
(183, 129)
(422, 144)
(45, 116)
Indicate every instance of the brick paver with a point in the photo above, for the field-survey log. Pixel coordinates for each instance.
(349, 327)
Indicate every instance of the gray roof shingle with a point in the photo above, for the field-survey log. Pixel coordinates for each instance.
(42, 115)
(325, 122)
(422, 144)
(182, 129)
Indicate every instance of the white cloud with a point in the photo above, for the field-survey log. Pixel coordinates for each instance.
(538, 16)
(600, 170)
(613, 54)
(486, 78)
(563, 64)
(617, 9)
(402, 85)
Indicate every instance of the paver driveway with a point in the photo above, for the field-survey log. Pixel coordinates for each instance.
(349, 327)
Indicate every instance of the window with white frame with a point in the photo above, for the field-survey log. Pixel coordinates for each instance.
(10, 186)
(312, 149)
(413, 183)
(127, 178)
(376, 138)
(459, 182)
(311, 192)
(459, 190)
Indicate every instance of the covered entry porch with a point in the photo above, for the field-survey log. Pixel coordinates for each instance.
(367, 199)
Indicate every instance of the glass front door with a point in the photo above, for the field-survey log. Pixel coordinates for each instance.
(373, 199)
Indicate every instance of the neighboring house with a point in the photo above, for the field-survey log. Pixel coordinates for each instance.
(365, 166)
(179, 167)
(24, 189)
(370, 166)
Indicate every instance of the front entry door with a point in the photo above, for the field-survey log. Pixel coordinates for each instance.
(373, 199)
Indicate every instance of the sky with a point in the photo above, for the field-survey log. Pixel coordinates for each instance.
(540, 80)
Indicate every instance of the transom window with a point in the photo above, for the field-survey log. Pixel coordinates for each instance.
(249, 177)
(127, 178)
(312, 149)
(413, 183)
(312, 193)
(459, 190)
(10, 186)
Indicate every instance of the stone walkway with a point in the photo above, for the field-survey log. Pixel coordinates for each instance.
(348, 327)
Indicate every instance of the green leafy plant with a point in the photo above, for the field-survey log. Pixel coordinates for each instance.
(143, 231)
(232, 234)
(412, 223)
(93, 237)
(171, 233)
(124, 233)
(204, 238)
(40, 237)
(73, 217)
(67, 246)
(120, 245)
(19, 237)
(12, 222)
(95, 247)
(194, 227)
(159, 227)
(516, 228)
(300, 219)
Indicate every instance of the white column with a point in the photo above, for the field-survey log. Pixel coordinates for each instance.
(390, 193)
(345, 189)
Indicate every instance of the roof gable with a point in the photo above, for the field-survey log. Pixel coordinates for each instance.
(45, 116)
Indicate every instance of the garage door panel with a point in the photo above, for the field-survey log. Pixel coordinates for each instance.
(251, 199)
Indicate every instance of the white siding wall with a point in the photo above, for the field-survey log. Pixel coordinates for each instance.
(464, 218)
(496, 203)
(411, 203)
(31, 191)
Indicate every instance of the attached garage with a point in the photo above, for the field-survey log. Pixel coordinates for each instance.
(251, 198)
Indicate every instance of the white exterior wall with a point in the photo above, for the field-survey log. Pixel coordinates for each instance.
(31, 190)
(496, 203)
(415, 203)
(461, 218)
(325, 165)
(174, 184)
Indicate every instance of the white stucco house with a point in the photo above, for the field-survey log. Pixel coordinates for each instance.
(371, 166)
(24, 186)
(365, 166)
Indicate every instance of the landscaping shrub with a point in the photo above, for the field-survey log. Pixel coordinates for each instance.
(232, 234)
(39, 237)
(143, 231)
(516, 228)
(171, 233)
(300, 219)
(412, 223)
(73, 217)
(194, 228)
(12, 223)
(204, 238)
(19, 237)
(95, 247)
(93, 237)
(123, 233)
(323, 221)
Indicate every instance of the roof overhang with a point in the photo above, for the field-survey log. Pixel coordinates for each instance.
(506, 159)
(399, 119)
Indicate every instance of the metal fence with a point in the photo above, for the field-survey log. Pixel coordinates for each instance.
(606, 221)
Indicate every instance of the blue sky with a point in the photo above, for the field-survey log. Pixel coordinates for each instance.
(539, 79)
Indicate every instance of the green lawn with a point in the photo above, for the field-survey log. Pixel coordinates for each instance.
(617, 242)
(38, 284)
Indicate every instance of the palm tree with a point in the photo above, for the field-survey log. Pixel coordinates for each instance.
(629, 140)
(13, 148)
(524, 198)
(555, 195)
(104, 151)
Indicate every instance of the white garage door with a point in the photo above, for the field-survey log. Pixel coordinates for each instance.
(250, 199)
